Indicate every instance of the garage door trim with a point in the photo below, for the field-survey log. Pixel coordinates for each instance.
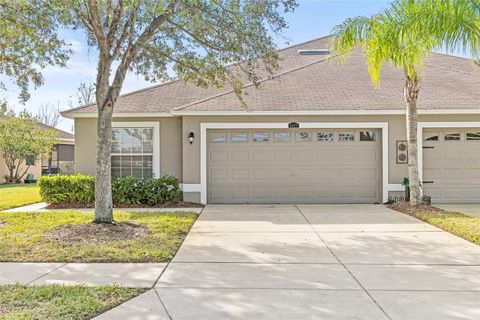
(284, 125)
(425, 125)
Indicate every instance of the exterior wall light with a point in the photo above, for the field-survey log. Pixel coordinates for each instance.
(191, 136)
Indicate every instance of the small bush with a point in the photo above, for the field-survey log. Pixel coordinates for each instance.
(80, 189)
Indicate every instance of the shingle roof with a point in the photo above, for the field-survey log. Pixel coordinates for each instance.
(60, 133)
(315, 83)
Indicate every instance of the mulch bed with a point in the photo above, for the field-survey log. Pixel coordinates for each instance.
(81, 205)
(99, 232)
(405, 207)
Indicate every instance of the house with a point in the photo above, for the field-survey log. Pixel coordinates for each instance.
(60, 161)
(317, 132)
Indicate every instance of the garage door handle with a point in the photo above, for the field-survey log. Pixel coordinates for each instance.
(428, 147)
(424, 182)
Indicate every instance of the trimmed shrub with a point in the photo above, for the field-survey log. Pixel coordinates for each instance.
(131, 191)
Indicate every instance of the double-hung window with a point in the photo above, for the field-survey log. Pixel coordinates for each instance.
(133, 151)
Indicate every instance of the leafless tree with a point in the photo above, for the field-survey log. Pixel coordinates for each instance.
(86, 93)
(49, 114)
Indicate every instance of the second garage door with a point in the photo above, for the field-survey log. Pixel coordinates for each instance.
(294, 166)
(451, 165)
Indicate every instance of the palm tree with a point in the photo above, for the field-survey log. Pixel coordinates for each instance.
(404, 35)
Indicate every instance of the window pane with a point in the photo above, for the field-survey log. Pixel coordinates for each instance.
(116, 173)
(240, 137)
(346, 137)
(452, 136)
(137, 161)
(136, 136)
(367, 136)
(30, 161)
(282, 136)
(217, 137)
(147, 161)
(260, 136)
(147, 140)
(431, 137)
(325, 136)
(473, 136)
(116, 161)
(303, 136)
(137, 172)
(147, 173)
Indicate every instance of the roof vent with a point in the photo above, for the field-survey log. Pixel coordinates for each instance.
(314, 52)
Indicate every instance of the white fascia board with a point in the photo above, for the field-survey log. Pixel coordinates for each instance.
(74, 115)
(324, 112)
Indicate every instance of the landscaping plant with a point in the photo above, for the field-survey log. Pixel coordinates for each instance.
(79, 190)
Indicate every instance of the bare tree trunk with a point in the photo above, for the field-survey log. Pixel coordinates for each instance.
(103, 182)
(411, 94)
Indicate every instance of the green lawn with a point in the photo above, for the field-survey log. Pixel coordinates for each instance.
(464, 226)
(60, 302)
(17, 195)
(22, 238)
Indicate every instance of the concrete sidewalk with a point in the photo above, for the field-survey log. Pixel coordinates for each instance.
(338, 262)
(135, 275)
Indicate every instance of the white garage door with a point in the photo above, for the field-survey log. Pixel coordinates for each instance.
(451, 165)
(294, 166)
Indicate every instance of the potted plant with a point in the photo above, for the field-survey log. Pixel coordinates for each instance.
(406, 185)
(30, 179)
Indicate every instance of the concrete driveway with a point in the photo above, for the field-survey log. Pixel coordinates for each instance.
(314, 262)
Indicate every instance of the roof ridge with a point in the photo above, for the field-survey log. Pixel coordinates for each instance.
(177, 80)
(251, 83)
(453, 70)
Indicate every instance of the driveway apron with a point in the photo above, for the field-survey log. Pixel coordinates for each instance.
(314, 262)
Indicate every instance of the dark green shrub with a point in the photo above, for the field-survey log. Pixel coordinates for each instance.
(80, 189)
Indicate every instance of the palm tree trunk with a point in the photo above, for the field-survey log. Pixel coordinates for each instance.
(103, 182)
(411, 94)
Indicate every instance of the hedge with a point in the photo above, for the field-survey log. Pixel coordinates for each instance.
(80, 189)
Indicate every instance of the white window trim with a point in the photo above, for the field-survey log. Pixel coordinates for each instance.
(424, 125)
(156, 140)
(303, 125)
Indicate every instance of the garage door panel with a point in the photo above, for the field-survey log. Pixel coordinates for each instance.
(453, 166)
(260, 155)
(240, 174)
(240, 155)
(293, 172)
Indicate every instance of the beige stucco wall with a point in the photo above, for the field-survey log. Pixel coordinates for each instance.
(170, 144)
(36, 170)
(182, 159)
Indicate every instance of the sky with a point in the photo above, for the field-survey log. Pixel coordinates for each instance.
(312, 19)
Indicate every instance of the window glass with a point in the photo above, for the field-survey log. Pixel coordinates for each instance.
(217, 137)
(240, 137)
(30, 160)
(303, 136)
(431, 137)
(473, 136)
(132, 152)
(260, 136)
(325, 136)
(367, 136)
(452, 136)
(282, 136)
(346, 137)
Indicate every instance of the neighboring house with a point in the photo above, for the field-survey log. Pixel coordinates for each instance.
(318, 132)
(60, 161)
